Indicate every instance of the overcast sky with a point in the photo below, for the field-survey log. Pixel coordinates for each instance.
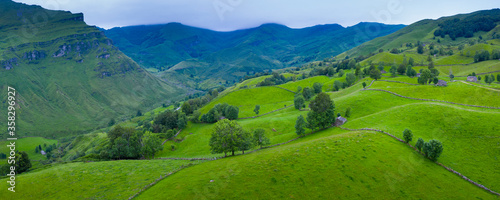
(226, 15)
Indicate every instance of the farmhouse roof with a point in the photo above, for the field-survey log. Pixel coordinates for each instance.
(42, 152)
(472, 78)
(418, 74)
(442, 83)
(340, 121)
(383, 72)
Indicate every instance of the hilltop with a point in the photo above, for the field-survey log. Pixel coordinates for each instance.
(204, 59)
(69, 76)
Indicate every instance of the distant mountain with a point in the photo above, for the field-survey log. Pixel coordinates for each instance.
(453, 30)
(203, 58)
(68, 76)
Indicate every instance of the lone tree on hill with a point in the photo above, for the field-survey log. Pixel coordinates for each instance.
(322, 112)
(256, 109)
(227, 136)
(433, 149)
(375, 74)
(364, 85)
(452, 77)
(420, 144)
(424, 76)
(299, 102)
(260, 138)
(299, 125)
(407, 135)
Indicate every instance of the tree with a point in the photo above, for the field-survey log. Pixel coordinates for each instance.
(22, 162)
(433, 149)
(232, 112)
(425, 76)
(186, 108)
(420, 49)
(299, 125)
(420, 144)
(375, 74)
(498, 77)
(299, 102)
(139, 113)
(341, 73)
(245, 141)
(111, 122)
(196, 116)
(348, 112)
(225, 137)
(394, 71)
(151, 144)
(364, 85)
(317, 87)
(307, 93)
(435, 80)
(350, 78)
(260, 138)
(451, 77)
(407, 135)
(479, 78)
(256, 109)
(322, 112)
(330, 71)
(337, 85)
(181, 121)
(410, 72)
(401, 69)
(411, 61)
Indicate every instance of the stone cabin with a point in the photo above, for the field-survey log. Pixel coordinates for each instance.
(340, 121)
(418, 74)
(383, 72)
(442, 83)
(43, 152)
(472, 78)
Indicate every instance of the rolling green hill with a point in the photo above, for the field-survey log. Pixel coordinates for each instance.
(203, 58)
(68, 76)
(424, 32)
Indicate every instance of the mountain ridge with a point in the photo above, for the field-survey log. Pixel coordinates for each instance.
(236, 53)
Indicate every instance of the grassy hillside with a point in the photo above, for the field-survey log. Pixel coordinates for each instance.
(423, 32)
(333, 165)
(269, 99)
(69, 76)
(94, 180)
(28, 145)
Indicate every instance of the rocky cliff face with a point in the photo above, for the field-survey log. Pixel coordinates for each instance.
(69, 76)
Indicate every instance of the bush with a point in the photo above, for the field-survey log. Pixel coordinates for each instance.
(433, 149)
(407, 135)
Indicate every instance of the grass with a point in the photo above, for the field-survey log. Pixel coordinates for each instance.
(464, 70)
(94, 180)
(28, 145)
(332, 164)
(456, 92)
(470, 136)
(269, 99)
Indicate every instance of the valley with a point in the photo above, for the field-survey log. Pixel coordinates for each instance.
(255, 113)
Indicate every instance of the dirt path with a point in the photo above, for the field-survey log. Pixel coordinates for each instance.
(492, 89)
